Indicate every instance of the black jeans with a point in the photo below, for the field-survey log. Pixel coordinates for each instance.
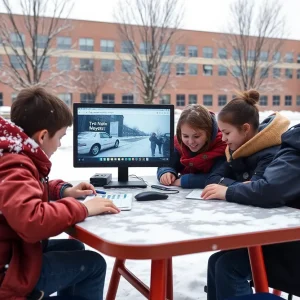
(228, 274)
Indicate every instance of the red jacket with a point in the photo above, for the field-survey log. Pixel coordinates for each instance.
(26, 216)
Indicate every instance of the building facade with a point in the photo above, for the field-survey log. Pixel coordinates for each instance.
(200, 78)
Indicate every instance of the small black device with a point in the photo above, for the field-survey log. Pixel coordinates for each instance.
(165, 188)
(149, 195)
(100, 179)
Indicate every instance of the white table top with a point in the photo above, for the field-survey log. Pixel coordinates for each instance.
(180, 219)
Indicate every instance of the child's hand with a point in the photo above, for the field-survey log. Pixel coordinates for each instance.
(99, 205)
(167, 178)
(82, 189)
(214, 191)
(177, 182)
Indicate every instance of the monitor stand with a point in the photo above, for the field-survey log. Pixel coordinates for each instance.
(124, 182)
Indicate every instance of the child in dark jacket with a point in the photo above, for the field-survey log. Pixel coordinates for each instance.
(31, 266)
(250, 146)
(198, 149)
(249, 153)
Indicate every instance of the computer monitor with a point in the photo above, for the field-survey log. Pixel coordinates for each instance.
(123, 136)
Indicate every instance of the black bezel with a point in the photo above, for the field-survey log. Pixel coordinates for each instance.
(114, 164)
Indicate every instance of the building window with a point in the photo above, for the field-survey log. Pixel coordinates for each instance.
(193, 69)
(288, 100)
(41, 41)
(64, 63)
(108, 98)
(236, 70)
(87, 98)
(63, 42)
(236, 54)
(207, 70)
(13, 97)
(165, 99)
(289, 73)
(263, 100)
(86, 64)
(107, 65)
(127, 99)
(165, 68)
(276, 56)
(298, 100)
(127, 47)
(264, 55)
(276, 72)
(207, 100)
(17, 40)
(86, 44)
(107, 46)
(193, 99)
(127, 66)
(208, 52)
(165, 49)
(180, 100)
(264, 73)
(180, 50)
(276, 100)
(1, 99)
(298, 74)
(222, 70)
(298, 58)
(145, 48)
(222, 53)
(180, 69)
(289, 57)
(222, 100)
(67, 98)
(193, 51)
(251, 55)
(43, 63)
(17, 61)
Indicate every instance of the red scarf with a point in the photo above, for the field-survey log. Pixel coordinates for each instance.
(202, 162)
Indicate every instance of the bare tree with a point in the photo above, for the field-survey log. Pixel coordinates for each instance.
(90, 81)
(254, 39)
(148, 44)
(28, 59)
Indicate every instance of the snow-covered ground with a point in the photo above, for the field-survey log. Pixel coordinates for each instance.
(189, 271)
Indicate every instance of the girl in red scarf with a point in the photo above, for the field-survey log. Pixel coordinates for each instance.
(198, 149)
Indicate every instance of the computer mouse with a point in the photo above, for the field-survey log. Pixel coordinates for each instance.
(150, 195)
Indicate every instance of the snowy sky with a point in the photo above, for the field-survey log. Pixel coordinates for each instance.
(199, 14)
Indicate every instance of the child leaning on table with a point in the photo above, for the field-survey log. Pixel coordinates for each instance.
(251, 149)
(31, 266)
(198, 149)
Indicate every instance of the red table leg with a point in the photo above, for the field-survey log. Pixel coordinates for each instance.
(115, 279)
(158, 279)
(259, 274)
(170, 279)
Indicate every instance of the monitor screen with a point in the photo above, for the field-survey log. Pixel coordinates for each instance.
(123, 135)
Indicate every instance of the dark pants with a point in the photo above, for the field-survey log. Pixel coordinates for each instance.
(72, 271)
(228, 274)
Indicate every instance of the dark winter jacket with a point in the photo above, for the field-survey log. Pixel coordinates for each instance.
(250, 160)
(280, 183)
(279, 186)
(26, 216)
(190, 176)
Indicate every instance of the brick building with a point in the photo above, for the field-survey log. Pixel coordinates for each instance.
(199, 79)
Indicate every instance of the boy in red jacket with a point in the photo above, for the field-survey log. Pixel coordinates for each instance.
(32, 266)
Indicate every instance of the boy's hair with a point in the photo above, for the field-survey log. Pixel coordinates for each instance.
(198, 117)
(242, 109)
(36, 109)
